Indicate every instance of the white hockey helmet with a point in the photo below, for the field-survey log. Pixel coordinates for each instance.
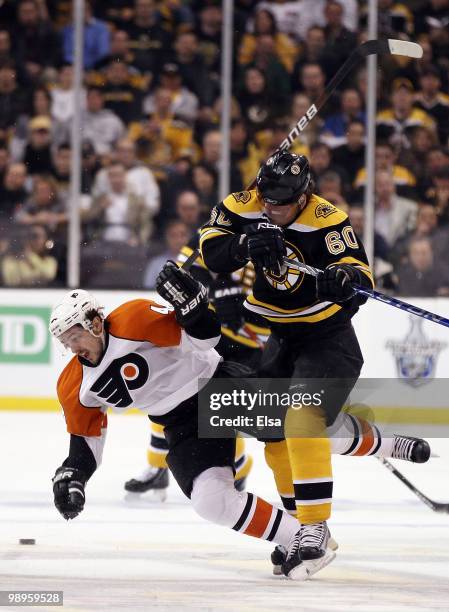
(72, 310)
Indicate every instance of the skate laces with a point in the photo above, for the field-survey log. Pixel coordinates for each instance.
(313, 535)
(402, 448)
(293, 547)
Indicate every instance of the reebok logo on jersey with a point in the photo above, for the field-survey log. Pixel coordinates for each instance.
(126, 373)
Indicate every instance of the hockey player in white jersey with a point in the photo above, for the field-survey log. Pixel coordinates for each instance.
(147, 356)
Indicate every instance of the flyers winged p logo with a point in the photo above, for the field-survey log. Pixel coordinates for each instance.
(122, 375)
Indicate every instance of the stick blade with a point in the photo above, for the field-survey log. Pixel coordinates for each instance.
(405, 47)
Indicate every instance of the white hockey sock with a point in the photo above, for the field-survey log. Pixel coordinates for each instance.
(352, 435)
(215, 499)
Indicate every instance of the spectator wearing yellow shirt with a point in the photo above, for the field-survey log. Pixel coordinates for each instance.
(403, 179)
(161, 137)
(397, 122)
(264, 23)
(28, 262)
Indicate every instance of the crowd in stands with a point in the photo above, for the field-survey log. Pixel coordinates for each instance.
(151, 129)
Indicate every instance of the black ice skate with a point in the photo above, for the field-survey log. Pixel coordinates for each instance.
(151, 479)
(311, 549)
(410, 449)
(278, 558)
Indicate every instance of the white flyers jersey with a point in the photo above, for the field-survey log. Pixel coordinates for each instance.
(150, 363)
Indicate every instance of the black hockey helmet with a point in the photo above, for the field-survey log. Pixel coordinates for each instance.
(283, 178)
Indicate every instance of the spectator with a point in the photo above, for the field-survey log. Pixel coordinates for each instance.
(41, 102)
(61, 169)
(438, 194)
(422, 141)
(188, 210)
(90, 166)
(312, 83)
(351, 156)
(321, 161)
(208, 30)
(395, 20)
(119, 215)
(395, 216)
(340, 41)
(148, 40)
(311, 52)
(266, 60)
(13, 193)
(300, 105)
(184, 103)
(176, 236)
(13, 100)
(139, 179)
(330, 187)
(5, 159)
(37, 157)
(422, 275)
(426, 227)
(245, 156)
(100, 125)
(255, 100)
(62, 95)
(29, 262)
(264, 23)
(161, 138)
(5, 48)
(335, 126)
(204, 180)
(36, 45)
(396, 123)
(120, 95)
(433, 101)
(44, 206)
(193, 68)
(404, 180)
(356, 216)
(96, 39)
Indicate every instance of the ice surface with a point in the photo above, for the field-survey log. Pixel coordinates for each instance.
(394, 551)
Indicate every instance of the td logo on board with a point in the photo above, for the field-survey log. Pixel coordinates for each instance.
(24, 336)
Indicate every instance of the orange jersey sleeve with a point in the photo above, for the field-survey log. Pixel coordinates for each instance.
(145, 320)
(81, 420)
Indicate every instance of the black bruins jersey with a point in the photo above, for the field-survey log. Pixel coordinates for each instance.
(238, 345)
(321, 235)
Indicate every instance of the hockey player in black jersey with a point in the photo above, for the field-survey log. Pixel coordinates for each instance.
(312, 335)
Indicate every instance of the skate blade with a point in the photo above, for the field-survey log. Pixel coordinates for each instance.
(277, 570)
(307, 569)
(152, 496)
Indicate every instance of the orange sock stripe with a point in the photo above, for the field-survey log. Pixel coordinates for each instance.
(367, 441)
(260, 520)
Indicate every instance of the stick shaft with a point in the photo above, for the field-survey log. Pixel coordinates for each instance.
(377, 295)
(436, 506)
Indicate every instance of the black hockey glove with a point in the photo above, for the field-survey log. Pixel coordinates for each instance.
(227, 297)
(334, 284)
(187, 295)
(68, 489)
(266, 247)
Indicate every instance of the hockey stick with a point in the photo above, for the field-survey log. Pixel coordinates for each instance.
(390, 46)
(434, 505)
(375, 295)
(370, 47)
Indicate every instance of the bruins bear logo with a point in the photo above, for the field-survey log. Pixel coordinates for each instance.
(242, 196)
(324, 210)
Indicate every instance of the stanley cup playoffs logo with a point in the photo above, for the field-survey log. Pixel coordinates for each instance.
(416, 355)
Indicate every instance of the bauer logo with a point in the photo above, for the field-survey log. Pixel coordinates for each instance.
(24, 336)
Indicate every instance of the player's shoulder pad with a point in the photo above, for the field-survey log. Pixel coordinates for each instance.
(145, 321)
(319, 213)
(245, 204)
